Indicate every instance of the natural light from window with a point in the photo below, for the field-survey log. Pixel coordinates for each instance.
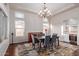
(19, 24)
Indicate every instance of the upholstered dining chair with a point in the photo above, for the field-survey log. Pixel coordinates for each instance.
(34, 41)
(47, 42)
(53, 40)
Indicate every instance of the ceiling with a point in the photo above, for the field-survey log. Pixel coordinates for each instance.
(35, 7)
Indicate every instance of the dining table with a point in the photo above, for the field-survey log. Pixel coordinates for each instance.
(40, 38)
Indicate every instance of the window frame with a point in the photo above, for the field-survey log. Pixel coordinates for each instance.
(16, 25)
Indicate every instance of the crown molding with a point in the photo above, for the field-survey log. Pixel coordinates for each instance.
(21, 8)
(65, 9)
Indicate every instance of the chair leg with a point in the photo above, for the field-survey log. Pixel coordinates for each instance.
(54, 44)
(51, 46)
(33, 45)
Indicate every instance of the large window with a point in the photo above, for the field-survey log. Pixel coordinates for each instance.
(19, 24)
(19, 15)
(62, 30)
(45, 25)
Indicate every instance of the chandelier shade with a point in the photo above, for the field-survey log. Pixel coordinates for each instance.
(44, 12)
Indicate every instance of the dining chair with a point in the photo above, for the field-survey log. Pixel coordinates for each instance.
(34, 41)
(47, 42)
(53, 41)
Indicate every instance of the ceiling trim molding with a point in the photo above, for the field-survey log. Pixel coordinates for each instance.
(22, 8)
(65, 9)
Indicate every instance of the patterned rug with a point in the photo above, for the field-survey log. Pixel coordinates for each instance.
(65, 49)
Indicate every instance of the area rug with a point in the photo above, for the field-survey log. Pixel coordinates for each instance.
(65, 49)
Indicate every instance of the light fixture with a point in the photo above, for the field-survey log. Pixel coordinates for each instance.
(44, 12)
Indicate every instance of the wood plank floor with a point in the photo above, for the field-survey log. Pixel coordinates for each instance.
(11, 50)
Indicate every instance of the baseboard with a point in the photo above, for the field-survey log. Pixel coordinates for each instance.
(64, 41)
(20, 42)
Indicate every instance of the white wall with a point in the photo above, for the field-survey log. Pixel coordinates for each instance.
(5, 43)
(3, 47)
(33, 23)
(57, 20)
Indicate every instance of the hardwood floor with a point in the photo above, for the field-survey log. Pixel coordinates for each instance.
(11, 50)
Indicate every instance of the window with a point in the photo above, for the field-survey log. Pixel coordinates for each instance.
(19, 15)
(19, 32)
(19, 24)
(45, 24)
(62, 30)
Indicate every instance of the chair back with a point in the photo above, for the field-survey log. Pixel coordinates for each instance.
(54, 37)
(47, 40)
(33, 41)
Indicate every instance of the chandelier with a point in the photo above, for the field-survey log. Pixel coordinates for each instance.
(44, 12)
